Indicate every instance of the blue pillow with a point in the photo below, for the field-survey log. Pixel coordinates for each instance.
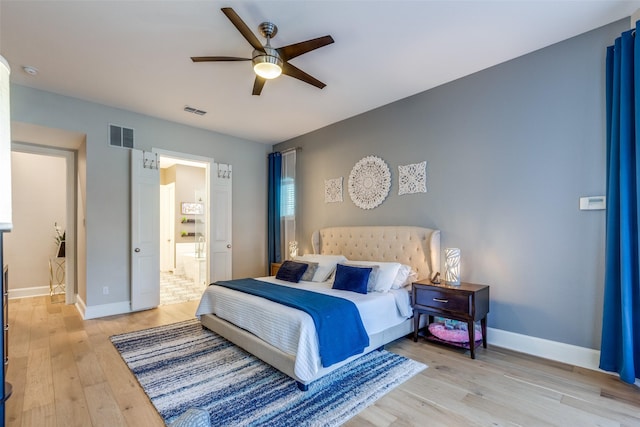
(291, 271)
(352, 278)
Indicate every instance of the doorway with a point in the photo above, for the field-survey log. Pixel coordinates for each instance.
(34, 245)
(184, 227)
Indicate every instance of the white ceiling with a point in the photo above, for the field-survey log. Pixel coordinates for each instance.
(135, 55)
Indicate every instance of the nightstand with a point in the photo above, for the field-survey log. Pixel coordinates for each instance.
(275, 266)
(466, 302)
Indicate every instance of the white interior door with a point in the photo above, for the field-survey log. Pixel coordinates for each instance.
(167, 226)
(221, 247)
(145, 230)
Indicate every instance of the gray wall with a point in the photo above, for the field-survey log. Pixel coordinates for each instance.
(107, 183)
(509, 151)
(38, 202)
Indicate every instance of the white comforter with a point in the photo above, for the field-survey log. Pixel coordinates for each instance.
(292, 330)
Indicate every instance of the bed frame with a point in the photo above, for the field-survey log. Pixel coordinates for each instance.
(415, 246)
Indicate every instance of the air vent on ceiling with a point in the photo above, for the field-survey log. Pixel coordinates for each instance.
(120, 136)
(194, 111)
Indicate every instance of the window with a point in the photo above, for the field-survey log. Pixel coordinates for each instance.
(288, 198)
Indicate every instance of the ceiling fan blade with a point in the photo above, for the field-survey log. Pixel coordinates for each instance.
(258, 84)
(297, 73)
(242, 27)
(217, 58)
(297, 49)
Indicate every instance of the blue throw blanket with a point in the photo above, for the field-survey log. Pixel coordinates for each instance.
(341, 333)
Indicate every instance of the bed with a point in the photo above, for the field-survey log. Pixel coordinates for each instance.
(285, 337)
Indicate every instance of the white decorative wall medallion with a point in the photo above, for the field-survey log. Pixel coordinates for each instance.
(369, 182)
(412, 178)
(333, 190)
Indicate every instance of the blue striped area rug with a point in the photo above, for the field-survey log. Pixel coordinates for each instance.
(184, 365)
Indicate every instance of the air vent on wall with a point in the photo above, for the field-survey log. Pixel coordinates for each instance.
(194, 111)
(120, 136)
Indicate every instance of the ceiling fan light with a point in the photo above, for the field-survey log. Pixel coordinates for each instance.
(267, 66)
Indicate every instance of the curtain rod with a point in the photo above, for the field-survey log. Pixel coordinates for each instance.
(289, 150)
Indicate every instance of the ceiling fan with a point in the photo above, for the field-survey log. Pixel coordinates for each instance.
(268, 62)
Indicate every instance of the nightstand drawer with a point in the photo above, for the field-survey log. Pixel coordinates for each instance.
(443, 300)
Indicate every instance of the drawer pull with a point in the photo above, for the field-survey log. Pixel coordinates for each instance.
(441, 300)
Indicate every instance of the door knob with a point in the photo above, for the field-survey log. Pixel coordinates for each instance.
(137, 249)
(229, 246)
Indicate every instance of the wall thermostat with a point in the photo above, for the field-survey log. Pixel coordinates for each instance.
(593, 203)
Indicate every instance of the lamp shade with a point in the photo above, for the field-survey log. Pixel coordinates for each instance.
(452, 266)
(293, 249)
(5, 147)
(267, 67)
(267, 64)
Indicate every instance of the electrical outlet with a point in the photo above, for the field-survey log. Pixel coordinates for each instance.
(105, 290)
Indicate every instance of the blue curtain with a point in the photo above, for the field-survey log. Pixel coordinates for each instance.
(620, 348)
(274, 246)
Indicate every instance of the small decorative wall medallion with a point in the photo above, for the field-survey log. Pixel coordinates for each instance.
(412, 178)
(333, 190)
(369, 182)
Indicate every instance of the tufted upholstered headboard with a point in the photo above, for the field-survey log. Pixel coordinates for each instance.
(415, 246)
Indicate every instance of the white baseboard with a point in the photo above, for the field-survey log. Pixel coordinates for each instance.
(80, 306)
(103, 310)
(36, 291)
(552, 350)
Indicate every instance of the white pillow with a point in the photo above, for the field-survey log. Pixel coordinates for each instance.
(387, 272)
(326, 265)
(404, 277)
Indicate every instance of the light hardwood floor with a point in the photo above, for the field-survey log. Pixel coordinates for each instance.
(65, 372)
